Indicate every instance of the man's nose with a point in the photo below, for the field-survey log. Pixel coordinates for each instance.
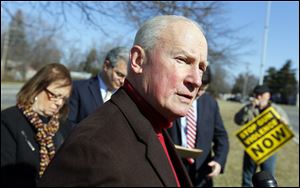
(195, 77)
(122, 80)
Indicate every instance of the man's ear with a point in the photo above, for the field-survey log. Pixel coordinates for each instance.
(137, 59)
(106, 65)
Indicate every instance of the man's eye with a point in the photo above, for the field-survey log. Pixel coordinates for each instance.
(120, 74)
(202, 67)
(181, 60)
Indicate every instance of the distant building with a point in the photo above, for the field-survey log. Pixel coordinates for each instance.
(80, 75)
(29, 72)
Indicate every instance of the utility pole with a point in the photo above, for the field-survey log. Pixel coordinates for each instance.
(245, 86)
(263, 56)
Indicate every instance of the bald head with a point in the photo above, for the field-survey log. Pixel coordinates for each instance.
(167, 62)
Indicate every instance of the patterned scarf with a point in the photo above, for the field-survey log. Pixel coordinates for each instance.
(44, 135)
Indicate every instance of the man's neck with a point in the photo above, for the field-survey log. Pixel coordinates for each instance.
(157, 120)
(103, 83)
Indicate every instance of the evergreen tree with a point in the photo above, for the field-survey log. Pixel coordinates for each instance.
(18, 47)
(91, 63)
(282, 83)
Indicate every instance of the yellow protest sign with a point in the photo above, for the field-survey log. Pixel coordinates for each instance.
(264, 135)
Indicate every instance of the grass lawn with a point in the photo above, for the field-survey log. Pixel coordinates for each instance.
(287, 166)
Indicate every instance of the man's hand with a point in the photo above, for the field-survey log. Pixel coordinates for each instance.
(216, 169)
(254, 101)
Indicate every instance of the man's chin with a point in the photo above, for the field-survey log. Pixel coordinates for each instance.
(180, 112)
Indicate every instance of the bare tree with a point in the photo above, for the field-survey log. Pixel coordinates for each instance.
(28, 46)
(223, 44)
(44, 51)
(8, 13)
(61, 11)
(219, 82)
(244, 79)
(42, 36)
(43, 43)
(73, 58)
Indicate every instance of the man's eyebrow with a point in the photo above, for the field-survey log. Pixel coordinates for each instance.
(184, 52)
(120, 73)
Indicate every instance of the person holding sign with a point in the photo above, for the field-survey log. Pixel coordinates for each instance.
(260, 103)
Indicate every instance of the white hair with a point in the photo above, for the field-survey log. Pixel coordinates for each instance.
(150, 31)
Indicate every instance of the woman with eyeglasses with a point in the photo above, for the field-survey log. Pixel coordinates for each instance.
(33, 130)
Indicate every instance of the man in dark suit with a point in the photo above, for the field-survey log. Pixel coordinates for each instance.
(124, 143)
(88, 95)
(209, 130)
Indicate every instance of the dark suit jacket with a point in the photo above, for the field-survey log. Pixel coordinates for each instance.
(85, 99)
(20, 157)
(210, 129)
(115, 146)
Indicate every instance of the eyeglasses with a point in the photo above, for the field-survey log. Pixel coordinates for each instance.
(54, 97)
